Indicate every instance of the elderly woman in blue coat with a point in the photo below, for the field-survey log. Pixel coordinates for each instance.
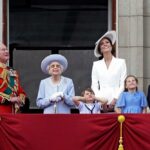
(56, 91)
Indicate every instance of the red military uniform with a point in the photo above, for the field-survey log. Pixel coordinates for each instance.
(10, 87)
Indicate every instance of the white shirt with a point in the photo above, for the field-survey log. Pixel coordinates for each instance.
(89, 108)
(108, 82)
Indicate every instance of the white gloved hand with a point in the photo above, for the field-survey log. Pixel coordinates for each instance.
(61, 94)
(53, 97)
(58, 99)
(56, 96)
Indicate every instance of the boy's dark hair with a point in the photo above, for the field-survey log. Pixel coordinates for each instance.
(87, 89)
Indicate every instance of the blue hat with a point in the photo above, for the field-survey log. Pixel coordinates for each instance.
(51, 58)
(109, 34)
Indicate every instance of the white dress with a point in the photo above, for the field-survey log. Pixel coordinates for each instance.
(108, 82)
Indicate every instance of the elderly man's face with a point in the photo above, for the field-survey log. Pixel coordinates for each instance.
(4, 53)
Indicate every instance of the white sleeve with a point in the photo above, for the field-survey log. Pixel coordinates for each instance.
(123, 74)
(95, 81)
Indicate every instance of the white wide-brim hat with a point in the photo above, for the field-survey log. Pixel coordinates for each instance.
(109, 34)
(52, 58)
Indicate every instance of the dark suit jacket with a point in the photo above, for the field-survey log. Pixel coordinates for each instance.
(148, 96)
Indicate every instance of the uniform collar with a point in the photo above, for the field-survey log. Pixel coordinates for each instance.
(2, 65)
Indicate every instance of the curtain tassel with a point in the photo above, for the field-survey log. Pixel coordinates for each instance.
(121, 119)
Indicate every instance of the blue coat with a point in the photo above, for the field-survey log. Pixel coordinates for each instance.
(47, 89)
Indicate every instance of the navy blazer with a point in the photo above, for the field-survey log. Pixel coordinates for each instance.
(148, 96)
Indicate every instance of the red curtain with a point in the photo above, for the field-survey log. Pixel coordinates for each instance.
(73, 132)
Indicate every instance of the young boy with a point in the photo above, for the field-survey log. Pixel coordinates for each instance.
(87, 103)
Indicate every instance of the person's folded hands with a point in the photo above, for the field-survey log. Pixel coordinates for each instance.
(56, 97)
(61, 94)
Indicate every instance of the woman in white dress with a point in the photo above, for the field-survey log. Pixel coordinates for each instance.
(108, 73)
